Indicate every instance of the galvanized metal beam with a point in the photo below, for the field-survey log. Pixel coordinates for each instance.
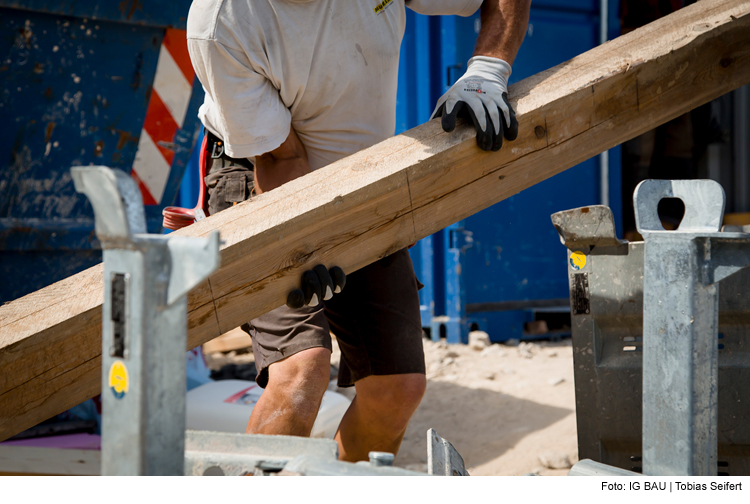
(144, 327)
(680, 324)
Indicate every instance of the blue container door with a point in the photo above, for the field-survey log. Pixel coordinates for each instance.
(510, 252)
(419, 85)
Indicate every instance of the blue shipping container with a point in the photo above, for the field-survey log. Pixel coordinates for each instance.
(77, 81)
(508, 254)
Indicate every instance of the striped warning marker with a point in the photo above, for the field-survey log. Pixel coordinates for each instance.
(165, 114)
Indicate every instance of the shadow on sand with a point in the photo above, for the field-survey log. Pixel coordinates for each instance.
(482, 424)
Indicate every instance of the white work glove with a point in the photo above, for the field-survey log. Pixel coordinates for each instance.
(482, 96)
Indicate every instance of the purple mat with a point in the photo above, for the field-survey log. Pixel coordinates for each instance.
(66, 441)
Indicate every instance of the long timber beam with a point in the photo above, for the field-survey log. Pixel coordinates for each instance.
(377, 201)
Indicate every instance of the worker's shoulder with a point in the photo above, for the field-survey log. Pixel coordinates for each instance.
(202, 17)
(207, 17)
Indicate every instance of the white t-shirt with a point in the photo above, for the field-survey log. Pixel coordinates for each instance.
(328, 68)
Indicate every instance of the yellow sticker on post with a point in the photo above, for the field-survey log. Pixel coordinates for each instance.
(118, 381)
(577, 260)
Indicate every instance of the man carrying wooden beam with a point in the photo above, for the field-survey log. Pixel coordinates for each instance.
(292, 86)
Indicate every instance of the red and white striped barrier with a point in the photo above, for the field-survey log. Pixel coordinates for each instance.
(165, 114)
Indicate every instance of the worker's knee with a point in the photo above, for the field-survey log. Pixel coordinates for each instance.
(392, 397)
(303, 376)
(410, 391)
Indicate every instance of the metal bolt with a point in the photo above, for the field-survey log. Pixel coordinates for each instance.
(380, 459)
(539, 131)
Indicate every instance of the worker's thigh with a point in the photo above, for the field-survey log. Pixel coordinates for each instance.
(375, 318)
(377, 322)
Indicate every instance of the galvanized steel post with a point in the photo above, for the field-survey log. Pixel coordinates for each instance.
(682, 269)
(144, 327)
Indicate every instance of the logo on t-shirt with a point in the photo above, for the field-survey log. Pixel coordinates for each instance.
(382, 6)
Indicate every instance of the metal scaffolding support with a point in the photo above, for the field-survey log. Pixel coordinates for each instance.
(682, 270)
(144, 327)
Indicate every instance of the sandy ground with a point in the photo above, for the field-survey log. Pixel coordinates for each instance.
(502, 408)
(508, 410)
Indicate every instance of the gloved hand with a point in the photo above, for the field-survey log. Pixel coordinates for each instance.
(482, 96)
(318, 284)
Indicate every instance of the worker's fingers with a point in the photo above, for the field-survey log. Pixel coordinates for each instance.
(449, 115)
(493, 113)
(474, 105)
(484, 136)
(497, 139)
(339, 278)
(511, 127)
(296, 299)
(326, 283)
(439, 108)
(312, 288)
(318, 284)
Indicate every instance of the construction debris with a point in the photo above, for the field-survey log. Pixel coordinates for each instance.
(555, 460)
(479, 340)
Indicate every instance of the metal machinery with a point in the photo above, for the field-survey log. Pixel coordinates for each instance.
(86, 83)
(661, 332)
(144, 335)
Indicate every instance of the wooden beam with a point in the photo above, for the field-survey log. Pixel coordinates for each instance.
(370, 204)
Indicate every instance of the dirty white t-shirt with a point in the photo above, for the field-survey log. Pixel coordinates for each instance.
(328, 68)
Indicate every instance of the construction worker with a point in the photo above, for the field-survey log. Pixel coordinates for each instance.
(292, 86)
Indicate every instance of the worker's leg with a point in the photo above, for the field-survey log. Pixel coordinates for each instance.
(293, 394)
(377, 324)
(292, 349)
(379, 414)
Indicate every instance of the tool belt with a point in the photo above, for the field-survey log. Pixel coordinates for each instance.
(215, 148)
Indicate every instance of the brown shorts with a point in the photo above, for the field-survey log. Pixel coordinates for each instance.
(375, 319)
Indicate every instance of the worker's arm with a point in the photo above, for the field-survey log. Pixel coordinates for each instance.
(286, 162)
(481, 95)
(504, 24)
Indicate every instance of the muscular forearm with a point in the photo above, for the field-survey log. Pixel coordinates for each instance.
(287, 162)
(504, 24)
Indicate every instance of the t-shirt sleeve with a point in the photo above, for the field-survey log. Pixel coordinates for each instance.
(241, 106)
(444, 7)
